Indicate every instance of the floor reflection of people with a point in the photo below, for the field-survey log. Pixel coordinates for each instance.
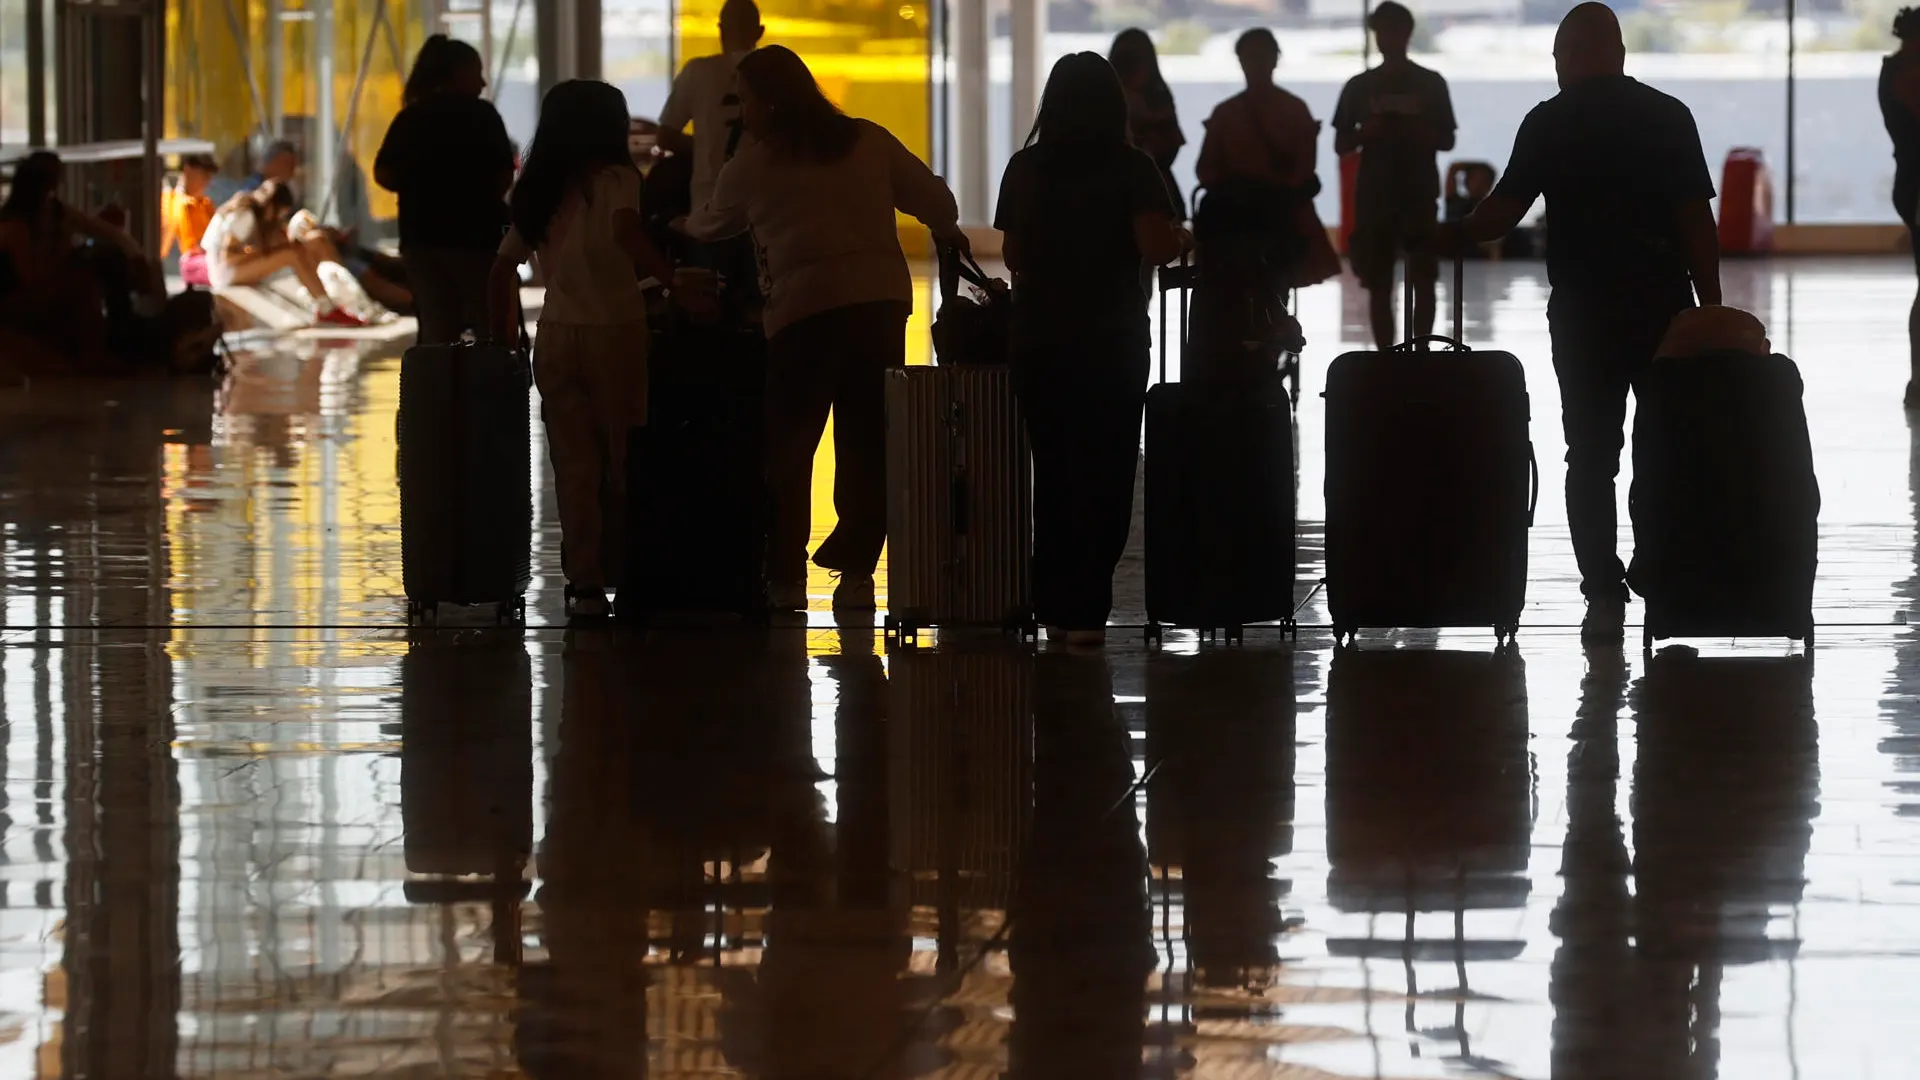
(1725, 788)
(1429, 809)
(1220, 742)
(1901, 705)
(1079, 947)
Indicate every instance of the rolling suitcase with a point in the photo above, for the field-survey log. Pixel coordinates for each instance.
(1431, 485)
(466, 487)
(1220, 499)
(959, 502)
(1725, 504)
(697, 496)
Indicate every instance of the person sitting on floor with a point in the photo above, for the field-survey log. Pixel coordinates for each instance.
(247, 243)
(58, 298)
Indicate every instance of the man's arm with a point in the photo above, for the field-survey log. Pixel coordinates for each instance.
(1500, 212)
(678, 112)
(1346, 129)
(1693, 211)
(1700, 240)
(1444, 126)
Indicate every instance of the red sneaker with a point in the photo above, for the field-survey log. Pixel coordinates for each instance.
(338, 317)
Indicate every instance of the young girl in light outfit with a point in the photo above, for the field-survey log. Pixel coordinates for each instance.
(577, 206)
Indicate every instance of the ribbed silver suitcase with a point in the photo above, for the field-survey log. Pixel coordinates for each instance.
(960, 743)
(959, 502)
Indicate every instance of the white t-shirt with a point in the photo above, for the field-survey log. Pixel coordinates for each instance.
(827, 235)
(230, 225)
(591, 281)
(707, 93)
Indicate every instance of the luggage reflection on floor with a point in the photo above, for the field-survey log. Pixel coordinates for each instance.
(1080, 945)
(1430, 808)
(1220, 806)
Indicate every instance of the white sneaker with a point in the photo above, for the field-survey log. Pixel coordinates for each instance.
(854, 593)
(787, 596)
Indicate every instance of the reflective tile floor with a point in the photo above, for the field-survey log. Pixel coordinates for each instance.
(251, 828)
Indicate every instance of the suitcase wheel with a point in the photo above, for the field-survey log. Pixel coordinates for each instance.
(1505, 636)
(1342, 636)
(510, 612)
(1156, 634)
(422, 613)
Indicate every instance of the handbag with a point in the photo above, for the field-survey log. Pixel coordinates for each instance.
(974, 327)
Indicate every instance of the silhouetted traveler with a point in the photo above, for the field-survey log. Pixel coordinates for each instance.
(819, 190)
(1151, 117)
(577, 205)
(1398, 116)
(1634, 241)
(1264, 142)
(1084, 215)
(1900, 108)
(448, 158)
(707, 94)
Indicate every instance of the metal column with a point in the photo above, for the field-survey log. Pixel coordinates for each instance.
(973, 86)
(324, 154)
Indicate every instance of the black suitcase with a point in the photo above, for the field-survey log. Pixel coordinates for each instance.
(466, 478)
(1725, 504)
(697, 496)
(1431, 486)
(1220, 495)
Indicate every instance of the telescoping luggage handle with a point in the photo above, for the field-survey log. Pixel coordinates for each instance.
(1174, 279)
(1458, 342)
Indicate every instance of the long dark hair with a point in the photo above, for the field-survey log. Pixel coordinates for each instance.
(1083, 103)
(439, 59)
(1132, 46)
(1906, 24)
(583, 129)
(802, 125)
(35, 180)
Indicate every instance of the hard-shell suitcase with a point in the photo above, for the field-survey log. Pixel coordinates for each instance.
(466, 478)
(1725, 503)
(1220, 498)
(959, 501)
(697, 496)
(1431, 485)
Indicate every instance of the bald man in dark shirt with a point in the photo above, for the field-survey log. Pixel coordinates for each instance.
(1633, 244)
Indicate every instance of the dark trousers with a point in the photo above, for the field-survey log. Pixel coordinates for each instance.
(1600, 349)
(834, 361)
(1082, 399)
(449, 287)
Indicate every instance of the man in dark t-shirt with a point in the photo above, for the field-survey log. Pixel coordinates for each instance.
(1633, 242)
(1398, 116)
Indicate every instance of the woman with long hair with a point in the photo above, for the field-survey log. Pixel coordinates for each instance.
(448, 158)
(1085, 215)
(577, 206)
(1151, 116)
(819, 189)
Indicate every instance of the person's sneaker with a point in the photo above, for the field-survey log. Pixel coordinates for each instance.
(854, 593)
(588, 604)
(787, 596)
(339, 317)
(1606, 621)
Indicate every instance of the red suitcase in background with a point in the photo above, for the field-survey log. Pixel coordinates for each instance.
(1431, 485)
(1746, 203)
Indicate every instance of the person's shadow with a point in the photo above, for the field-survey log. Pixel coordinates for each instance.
(1430, 807)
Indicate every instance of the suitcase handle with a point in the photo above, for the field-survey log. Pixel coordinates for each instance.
(1420, 344)
(1174, 279)
(1533, 473)
(1457, 295)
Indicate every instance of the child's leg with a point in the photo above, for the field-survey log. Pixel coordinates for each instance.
(574, 443)
(614, 363)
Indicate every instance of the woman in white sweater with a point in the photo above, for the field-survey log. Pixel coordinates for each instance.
(819, 189)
